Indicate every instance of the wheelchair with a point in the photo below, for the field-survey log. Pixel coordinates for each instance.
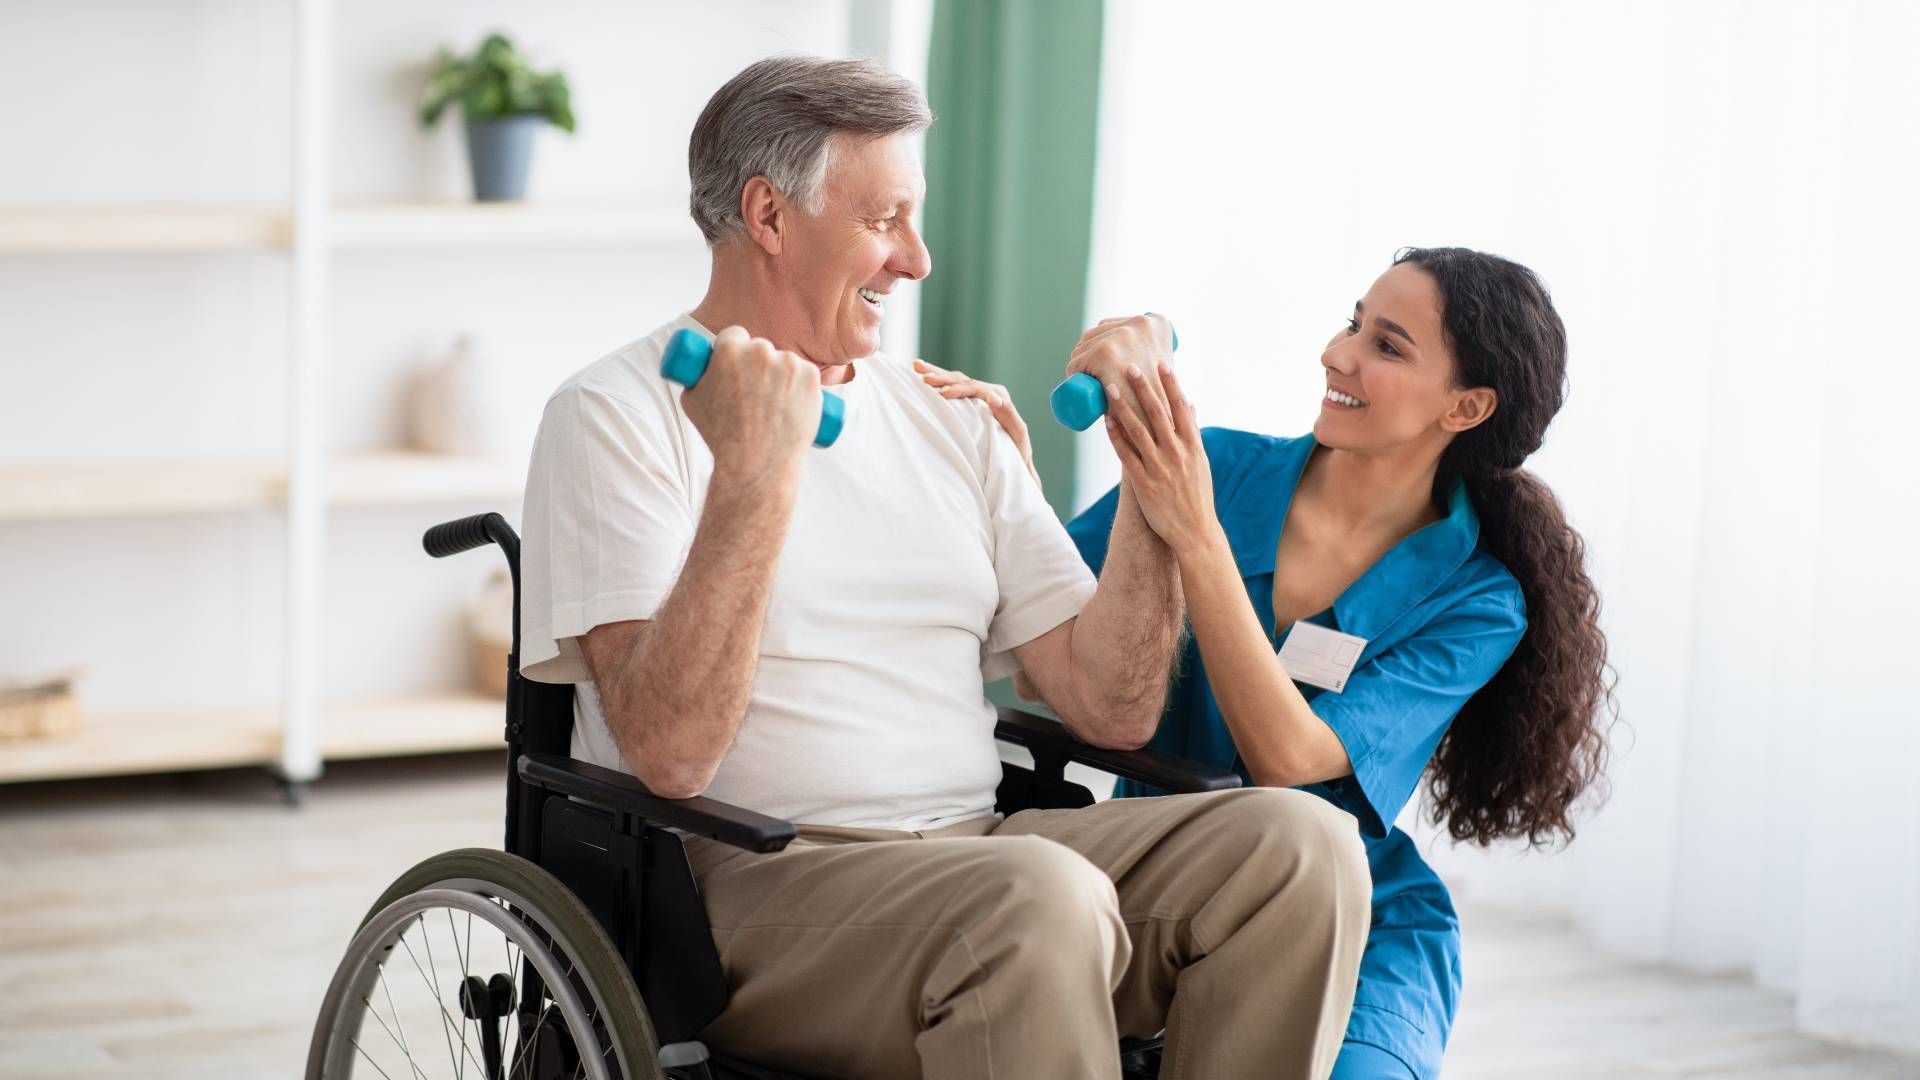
(582, 949)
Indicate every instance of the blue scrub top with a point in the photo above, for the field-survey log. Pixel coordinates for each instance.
(1440, 616)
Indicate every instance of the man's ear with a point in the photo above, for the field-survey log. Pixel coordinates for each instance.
(1471, 409)
(765, 212)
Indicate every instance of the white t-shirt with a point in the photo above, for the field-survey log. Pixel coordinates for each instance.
(919, 554)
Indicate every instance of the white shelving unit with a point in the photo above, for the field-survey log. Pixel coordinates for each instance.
(308, 483)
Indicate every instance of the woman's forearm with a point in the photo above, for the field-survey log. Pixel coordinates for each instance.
(1281, 741)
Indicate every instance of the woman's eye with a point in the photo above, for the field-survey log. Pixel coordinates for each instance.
(1353, 326)
(1387, 347)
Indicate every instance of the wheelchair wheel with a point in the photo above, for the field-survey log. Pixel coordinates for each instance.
(479, 962)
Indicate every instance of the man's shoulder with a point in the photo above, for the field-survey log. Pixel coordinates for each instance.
(894, 379)
(966, 416)
(630, 374)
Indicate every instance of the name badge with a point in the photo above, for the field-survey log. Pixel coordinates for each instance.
(1321, 657)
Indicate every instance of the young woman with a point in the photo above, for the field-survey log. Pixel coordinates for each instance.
(1388, 596)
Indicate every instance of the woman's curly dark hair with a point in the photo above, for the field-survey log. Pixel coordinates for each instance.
(1529, 744)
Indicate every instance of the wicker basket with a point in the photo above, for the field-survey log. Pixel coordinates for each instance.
(39, 710)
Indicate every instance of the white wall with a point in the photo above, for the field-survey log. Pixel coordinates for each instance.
(184, 356)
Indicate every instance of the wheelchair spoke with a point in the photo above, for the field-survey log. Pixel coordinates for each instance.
(401, 1043)
(510, 1039)
(426, 938)
(466, 975)
(369, 1057)
(395, 1013)
(446, 1019)
(524, 1067)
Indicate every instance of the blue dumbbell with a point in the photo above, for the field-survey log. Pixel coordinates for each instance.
(686, 360)
(1079, 400)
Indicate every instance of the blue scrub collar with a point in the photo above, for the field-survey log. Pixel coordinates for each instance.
(1255, 512)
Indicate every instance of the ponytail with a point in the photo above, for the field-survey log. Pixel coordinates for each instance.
(1524, 748)
(1522, 752)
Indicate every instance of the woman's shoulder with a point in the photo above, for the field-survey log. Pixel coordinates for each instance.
(1484, 582)
(1235, 455)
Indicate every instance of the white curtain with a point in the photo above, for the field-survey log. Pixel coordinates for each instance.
(1722, 197)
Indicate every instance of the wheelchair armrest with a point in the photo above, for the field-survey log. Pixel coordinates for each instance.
(621, 793)
(1150, 767)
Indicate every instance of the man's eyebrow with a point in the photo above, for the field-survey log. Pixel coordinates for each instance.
(1387, 324)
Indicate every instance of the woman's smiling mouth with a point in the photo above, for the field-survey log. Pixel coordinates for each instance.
(1344, 400)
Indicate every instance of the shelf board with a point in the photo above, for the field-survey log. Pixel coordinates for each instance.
(134, 489)
(117, 744)
(389, 226)
(98, 230)
(64, 491)
(121, 744)
(432, 724)
(398, 477)
(352, 226)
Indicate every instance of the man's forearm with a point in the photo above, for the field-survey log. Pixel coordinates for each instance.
(679, 696)
(1125, 638)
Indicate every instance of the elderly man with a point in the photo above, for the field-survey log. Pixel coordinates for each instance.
(804, 632)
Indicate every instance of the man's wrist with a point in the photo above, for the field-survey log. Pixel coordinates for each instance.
(755, 485)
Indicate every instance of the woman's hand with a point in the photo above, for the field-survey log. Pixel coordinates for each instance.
(1163, 459)
(958, 384)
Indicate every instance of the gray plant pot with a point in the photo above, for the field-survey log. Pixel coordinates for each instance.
(500, 151)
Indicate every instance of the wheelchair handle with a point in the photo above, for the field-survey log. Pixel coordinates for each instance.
(454, 537)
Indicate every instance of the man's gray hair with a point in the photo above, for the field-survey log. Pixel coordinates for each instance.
(777, 119)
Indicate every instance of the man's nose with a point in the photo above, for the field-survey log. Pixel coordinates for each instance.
(911, 259)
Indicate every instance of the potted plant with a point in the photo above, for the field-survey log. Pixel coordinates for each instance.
(504, 102)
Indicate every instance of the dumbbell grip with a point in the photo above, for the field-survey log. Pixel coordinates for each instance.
(1080, 400)
(686, 359)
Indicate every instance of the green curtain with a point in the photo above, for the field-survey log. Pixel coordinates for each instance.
(1015, 88)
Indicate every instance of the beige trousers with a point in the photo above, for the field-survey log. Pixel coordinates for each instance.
(1024, 948)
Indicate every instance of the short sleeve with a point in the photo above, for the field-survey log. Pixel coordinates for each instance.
(1397, 705)
(608, 520)
(1093, 528)
(1042, 580)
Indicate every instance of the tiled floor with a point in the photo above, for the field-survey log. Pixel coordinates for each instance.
(186, 927)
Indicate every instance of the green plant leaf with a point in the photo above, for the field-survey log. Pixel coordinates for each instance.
(443, 85)
(494, 81)
(557, 101)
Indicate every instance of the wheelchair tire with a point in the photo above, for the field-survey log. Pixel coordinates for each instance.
(607, 1034)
